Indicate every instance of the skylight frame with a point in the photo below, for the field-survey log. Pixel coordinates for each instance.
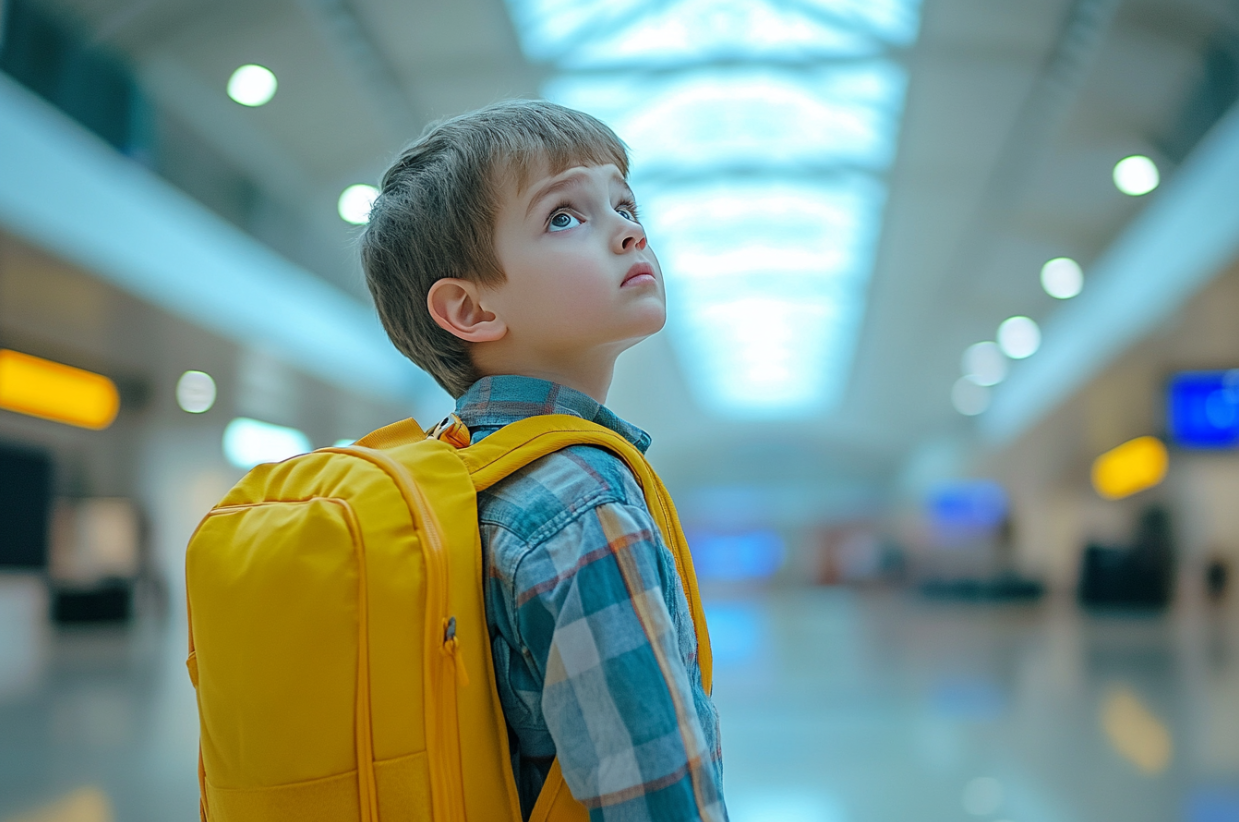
(731, 328)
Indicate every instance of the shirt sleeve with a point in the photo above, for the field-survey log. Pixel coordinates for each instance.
(617, 695)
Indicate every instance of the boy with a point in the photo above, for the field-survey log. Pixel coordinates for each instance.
(506, 258)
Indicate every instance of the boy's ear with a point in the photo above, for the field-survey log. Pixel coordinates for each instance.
(457, 307)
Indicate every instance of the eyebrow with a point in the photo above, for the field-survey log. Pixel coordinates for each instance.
(571, 181)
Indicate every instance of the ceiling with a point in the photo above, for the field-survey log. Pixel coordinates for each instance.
(1016, 112)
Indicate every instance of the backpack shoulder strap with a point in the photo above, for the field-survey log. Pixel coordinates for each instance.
(393, 435)
(516, 445)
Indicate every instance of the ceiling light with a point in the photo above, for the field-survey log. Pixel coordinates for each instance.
(984, 363)
(252, 85)
(249, 442)
(195, 392)
(1019, 337)
(1062, 278)
(969, 398)
(355, 203)
(1136, 175)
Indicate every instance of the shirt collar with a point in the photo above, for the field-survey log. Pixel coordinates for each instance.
(493, 402)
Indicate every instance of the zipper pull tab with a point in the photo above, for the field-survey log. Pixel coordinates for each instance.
(452, 646)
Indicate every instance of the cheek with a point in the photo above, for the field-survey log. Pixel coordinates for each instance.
(570, 288)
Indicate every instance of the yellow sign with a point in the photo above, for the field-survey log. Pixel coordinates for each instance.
(1133, 466)
(53, 391)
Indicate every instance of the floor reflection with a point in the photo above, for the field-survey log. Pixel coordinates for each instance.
(879, 707)
(837, 706)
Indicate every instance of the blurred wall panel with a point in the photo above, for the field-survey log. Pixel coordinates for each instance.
(95, 539)
(168, 463)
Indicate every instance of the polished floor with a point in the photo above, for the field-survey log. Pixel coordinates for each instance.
(837, 706)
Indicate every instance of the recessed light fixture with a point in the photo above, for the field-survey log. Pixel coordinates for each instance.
(252, 85)
(969, 398)
(984, 363)
(1062, 278)
(195, 392)
(1019, 337)
(355, 202)
(1136, 175)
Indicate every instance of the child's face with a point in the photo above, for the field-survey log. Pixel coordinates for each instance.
(581, 276)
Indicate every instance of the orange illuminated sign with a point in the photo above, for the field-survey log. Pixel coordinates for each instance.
(54, 391)
(1133, 466)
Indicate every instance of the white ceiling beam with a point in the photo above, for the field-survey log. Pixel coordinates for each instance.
(65, 190)
(1182, 239)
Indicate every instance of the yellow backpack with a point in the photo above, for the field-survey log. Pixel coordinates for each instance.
(337, 632)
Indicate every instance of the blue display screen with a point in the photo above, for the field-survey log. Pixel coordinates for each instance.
(968, 505)
(1203, 409)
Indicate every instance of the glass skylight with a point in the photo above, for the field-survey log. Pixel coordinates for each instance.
(593, 34)
(760, 133)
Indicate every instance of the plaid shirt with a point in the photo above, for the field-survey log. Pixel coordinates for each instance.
(593, 642)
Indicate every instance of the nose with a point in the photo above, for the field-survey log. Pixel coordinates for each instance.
(630, 236)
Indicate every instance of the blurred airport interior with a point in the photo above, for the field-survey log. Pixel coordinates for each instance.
(948, 396)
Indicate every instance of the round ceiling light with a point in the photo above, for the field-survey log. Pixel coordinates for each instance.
(1136, 175)
(252, 85)
(1062, 278)
(195, 392)
(355, 202)
(969, 398)
(984, 363)
(1019, 337)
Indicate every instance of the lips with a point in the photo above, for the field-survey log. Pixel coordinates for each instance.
(638, 274)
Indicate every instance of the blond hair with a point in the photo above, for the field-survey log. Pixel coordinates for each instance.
(436, 210)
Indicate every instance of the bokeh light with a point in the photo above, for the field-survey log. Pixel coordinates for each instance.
(195, 392)
(248, 442)
(252, 85)
(1130, 468)
(1019, 337)
(55, 391)
(984, 363)
(1062, 278)
(969, 398)
(1136, 175)
(355, 203)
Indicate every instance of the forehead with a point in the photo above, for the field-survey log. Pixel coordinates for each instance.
(544, 180)
(524, 170)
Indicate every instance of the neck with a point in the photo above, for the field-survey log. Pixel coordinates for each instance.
(590, 373)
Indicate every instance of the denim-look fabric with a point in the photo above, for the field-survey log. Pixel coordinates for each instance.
(593, 642)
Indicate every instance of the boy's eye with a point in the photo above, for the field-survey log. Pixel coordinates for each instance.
(563, 220)
(626, 214)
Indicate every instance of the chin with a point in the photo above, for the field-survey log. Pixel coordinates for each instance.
(652, 320)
